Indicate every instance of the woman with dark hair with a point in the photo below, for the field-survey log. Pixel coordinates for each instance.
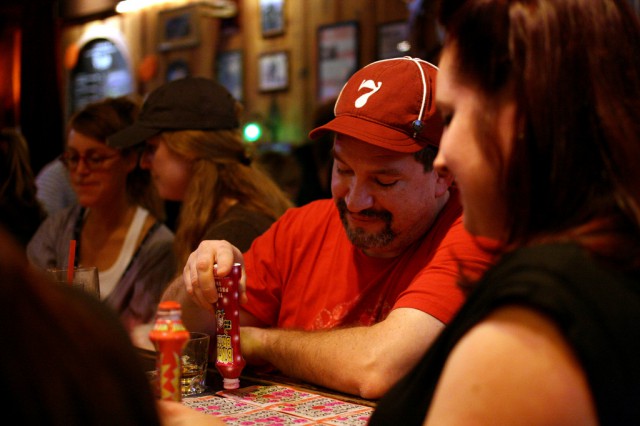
(117, 221)
(68, 360)
(20, 211)
(541, 101)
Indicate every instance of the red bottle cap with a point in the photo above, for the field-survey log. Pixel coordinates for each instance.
(169, 305)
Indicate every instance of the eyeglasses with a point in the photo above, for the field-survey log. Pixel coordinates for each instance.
(92, 161)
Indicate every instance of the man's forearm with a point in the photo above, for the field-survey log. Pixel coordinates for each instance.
(320, 357)
(363, 361)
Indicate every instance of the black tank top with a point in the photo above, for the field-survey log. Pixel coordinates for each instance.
(596, 307)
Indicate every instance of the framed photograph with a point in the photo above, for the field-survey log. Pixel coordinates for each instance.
(338, 51)
(272, 17)
(229, 72)
(274, 71)
(391, 40)
(177, 69)
(178, 28)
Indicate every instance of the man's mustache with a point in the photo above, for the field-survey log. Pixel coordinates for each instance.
(378, 214)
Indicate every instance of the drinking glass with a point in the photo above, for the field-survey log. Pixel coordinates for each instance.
(195, 357)
(84, 278)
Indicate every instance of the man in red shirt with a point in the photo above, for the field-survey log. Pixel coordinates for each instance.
(349, 293)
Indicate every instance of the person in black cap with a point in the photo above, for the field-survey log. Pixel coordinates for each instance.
(349, 292)
(195, 152)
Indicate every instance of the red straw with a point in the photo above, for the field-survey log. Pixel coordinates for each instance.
(72, 258)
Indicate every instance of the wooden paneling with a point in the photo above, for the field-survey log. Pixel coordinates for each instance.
(289, 110)
(303, 17)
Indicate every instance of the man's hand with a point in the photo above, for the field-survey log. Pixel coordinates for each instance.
(198, 272)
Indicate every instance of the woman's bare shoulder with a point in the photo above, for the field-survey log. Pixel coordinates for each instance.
(514, 367)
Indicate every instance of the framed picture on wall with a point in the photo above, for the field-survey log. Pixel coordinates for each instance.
(272, 17)
(100, 70)
(273, 71)
(178, 28)
(338, 52)
(392, 39)
(177, 69)
(229, 72)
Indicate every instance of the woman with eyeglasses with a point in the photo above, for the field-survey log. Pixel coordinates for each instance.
(117, 221)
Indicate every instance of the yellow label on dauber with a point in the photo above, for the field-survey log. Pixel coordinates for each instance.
(224, 349)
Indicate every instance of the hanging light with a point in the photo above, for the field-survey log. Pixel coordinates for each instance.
(127, 6)
(214, 8)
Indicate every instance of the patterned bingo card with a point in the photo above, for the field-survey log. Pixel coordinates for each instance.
(279, 405)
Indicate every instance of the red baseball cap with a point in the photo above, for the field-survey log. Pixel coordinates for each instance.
(389, 103)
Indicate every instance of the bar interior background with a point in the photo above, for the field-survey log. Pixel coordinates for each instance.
(281, 58)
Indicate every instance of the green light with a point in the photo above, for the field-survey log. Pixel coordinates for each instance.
(252, 132)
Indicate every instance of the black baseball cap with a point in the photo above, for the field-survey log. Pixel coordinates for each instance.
(191, 103)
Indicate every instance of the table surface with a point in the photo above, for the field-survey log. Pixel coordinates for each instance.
(251, 377)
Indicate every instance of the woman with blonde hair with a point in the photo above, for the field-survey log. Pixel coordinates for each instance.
(196, 155)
